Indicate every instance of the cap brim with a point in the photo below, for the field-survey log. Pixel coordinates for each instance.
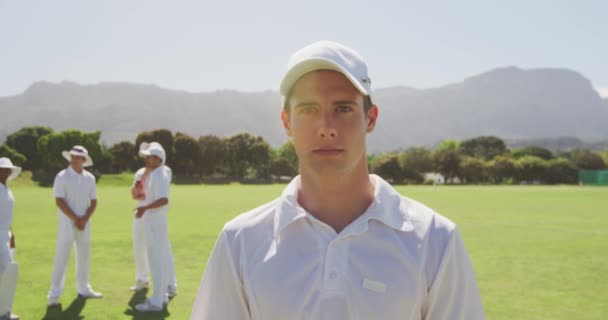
(304, 67)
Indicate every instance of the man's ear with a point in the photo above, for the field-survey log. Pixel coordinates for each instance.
(286, 123)
(372, 117)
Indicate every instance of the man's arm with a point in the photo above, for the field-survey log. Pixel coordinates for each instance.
(90, 209)
(66, 209)
(156, 204)
(221, 294)
(453, 294)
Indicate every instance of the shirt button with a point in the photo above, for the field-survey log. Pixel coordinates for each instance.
(333, 275)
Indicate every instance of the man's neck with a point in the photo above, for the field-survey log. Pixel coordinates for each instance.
(336, 200)
(77, 170)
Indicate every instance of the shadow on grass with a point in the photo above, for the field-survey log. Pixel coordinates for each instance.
(72, 312)
(139, 297)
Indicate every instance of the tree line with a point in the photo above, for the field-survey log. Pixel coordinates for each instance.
(487, 160)
(250, 159)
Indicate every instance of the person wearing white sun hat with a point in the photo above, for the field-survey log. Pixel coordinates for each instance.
(339, 243)
(138, 192)
(75, 194)
(151, 188)
(8, 267)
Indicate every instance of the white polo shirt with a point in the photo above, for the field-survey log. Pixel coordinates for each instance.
(399, 260)
(157, 186)
(77, 189)
(6, 212)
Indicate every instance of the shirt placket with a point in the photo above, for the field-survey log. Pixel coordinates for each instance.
(335, 266)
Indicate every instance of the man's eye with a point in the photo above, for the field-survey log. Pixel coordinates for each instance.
(307, 110)
(344, 109)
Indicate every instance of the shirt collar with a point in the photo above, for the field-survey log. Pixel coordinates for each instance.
(386, 208)
(73, 172)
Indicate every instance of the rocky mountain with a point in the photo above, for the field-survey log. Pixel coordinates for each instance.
(511, 103)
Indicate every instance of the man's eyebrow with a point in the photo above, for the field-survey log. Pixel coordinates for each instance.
(344, 102)
(305, 104)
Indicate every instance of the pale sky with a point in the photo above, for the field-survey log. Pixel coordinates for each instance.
(203, 46)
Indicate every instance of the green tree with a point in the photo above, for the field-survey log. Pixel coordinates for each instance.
(17, 158)
(387, 166)
(561, 170)
(51, 145)
(125, 156)
(586, 160)
(214, 155)
(540, 152)
(531, 168)
(248, 157)
(446, 161)
(282, 167)
(187, 158)
(486, 147)
(415, 162)
(288, 151)
(25, 141)
(472, 170)
(502, 169)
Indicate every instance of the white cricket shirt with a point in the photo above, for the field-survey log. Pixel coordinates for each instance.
(77, 189)
(399, 260)
(157, 186)
(6, 212)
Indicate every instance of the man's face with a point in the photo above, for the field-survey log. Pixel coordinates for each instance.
(153, 161)
(77, 161)
(327, 122)
(4, 174)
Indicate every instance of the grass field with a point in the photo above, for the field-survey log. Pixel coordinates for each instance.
(539, 252)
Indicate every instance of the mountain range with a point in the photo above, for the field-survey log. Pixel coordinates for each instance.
(512, 103)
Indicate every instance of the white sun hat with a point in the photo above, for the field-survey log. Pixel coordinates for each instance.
(152, 149)
(7, 164)
(78, 151)
(327, 55)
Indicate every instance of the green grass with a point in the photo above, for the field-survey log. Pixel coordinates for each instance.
(538, 252)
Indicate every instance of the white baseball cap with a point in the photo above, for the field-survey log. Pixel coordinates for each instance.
(6, 163)
(152, 149)
(327, 55)
(78, 151)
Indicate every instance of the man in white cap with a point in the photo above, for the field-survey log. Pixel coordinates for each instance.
(8, 267)
(75, 194)
(138, 192)
(151, 188)
(339, 243)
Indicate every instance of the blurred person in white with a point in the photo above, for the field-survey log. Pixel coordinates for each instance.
(75, 192)
(138, 192)
(9, 269)
(153, 207)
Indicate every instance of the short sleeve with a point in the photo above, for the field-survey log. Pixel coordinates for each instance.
(221, 294)
(59, 186)
(162, 185)
(93, 191)
(453, 294)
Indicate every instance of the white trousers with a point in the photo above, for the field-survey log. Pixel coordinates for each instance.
(67, 235)
(140, 254)
(8, 277)
(157, 245)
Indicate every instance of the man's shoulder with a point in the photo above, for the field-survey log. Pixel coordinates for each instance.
(426, 222)
(61, 174)
(88, 175)
(260, 219)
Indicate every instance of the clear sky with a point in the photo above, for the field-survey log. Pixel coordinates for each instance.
(244, 45)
